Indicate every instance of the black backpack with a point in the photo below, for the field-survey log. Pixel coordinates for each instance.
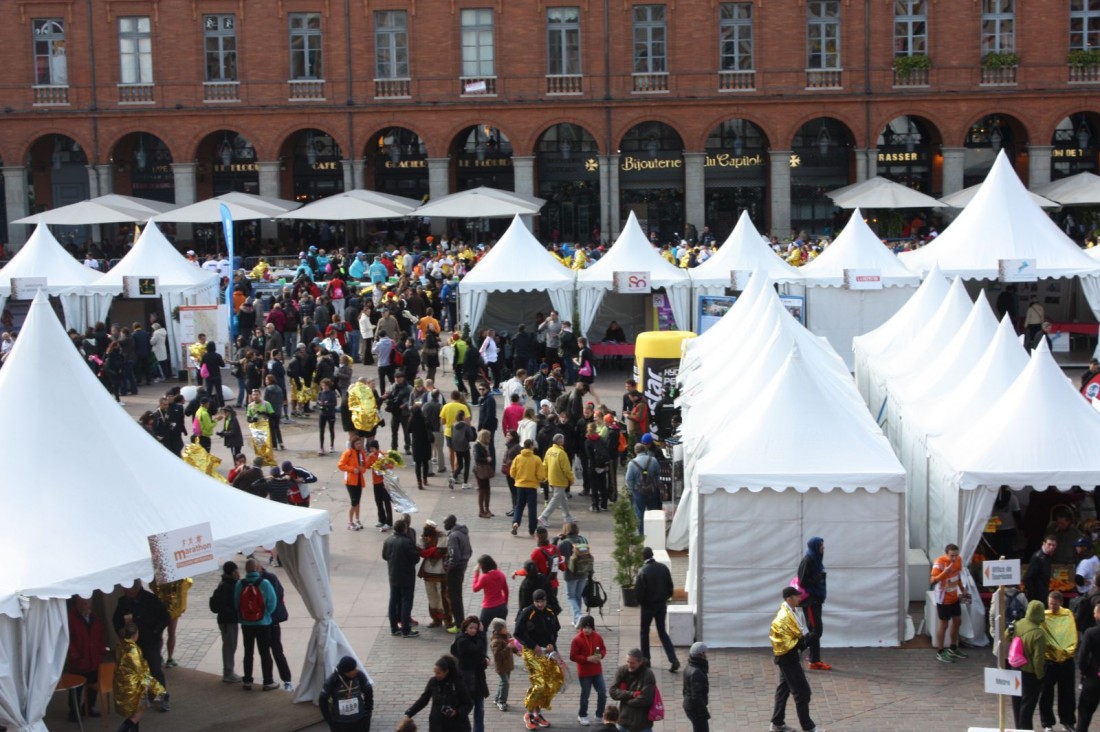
(594, 595)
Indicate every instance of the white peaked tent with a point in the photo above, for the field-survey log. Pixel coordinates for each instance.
(521, 275)
(631, 252)
(744, 250)
(179, 281)
(839, 313)
(912, 316)
(1040, 433)
(794, 463)
(1002, 222)
(83, 301)
(123, 488)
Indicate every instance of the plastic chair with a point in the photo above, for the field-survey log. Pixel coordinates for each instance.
(104, 685)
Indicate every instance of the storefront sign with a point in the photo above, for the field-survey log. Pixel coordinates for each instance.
(1003, 681)
(329, 165)
(182, 553)
(999, 572)
(25, 288)
(862, 279)
(631, 164)
(1069, 152)
(900, 157)
(725, 160)
(1017, 270)
(632, 283)
(504, 162)
(405, 164)
(237, 168)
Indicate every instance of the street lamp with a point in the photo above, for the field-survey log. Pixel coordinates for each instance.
(996, 139)
(227, 151)
(139, 157)
(824, 140)
(311, 151)
(1083, 136)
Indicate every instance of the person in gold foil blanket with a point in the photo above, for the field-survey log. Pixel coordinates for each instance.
(197, 457)
(363, 407)
(134, 686)
(173, 596)
(537, 629)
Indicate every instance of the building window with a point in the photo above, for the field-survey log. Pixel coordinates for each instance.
(135, 42)
(50, 64)
(650, 47)
(1084, 25)
(305, 46)
(998, 26)
(391, 44)
(220, 38)
(477, 42)
(823, 34)
(910, 28)
(563, 41)
(735, 36)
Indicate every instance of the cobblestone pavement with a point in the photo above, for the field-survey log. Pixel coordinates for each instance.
(905, 690)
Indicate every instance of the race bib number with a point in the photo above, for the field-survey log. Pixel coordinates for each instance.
(348, 707)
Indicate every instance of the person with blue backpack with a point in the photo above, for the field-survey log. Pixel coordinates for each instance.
(256, 602)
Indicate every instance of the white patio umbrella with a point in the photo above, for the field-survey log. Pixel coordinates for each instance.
(1082, 189)
(355, 205)
(879, 192)
(242, 207)
(109, 209)
(959, 199)
(482, 203)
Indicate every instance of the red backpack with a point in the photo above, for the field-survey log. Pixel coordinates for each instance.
(251, 604)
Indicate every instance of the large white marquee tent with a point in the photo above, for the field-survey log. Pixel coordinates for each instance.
(837, 311)
(179, 281)
(111, 507)
(84, 301)
(518, 277)
(631, 252)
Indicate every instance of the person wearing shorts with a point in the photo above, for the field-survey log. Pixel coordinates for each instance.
(354, 464)
(947, 581)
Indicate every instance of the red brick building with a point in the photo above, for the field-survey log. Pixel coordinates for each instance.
(684, 112)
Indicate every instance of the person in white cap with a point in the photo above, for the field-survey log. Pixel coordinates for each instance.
(697, 688)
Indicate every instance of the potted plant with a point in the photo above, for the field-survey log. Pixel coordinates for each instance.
(904, 66)
(627, 553)
(1085, 59)
(997, 60)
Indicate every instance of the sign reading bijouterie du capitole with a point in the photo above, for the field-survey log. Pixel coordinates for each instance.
(727, 160)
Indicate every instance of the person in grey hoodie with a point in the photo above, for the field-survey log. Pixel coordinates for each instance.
(458, 557)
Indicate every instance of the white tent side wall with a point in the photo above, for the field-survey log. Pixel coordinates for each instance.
(752, 542)
(839, 315)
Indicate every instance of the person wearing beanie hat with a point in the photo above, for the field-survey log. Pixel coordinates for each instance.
(503, 650)
(697, 688)
(221, 603)
(347, 698)
(587, 651)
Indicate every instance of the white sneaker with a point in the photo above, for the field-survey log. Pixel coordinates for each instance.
(287, 686)
(583, 721)
(781, 728)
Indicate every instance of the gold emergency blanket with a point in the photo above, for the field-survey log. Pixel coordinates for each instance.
(261, 441)
(197, 457)
(173, 596)
(134, 686)
(259, 271)
(546, 679)
(302, 394)
(364, 412)
(1061, 632)
(196, 351)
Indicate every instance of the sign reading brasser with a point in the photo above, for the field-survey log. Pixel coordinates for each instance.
(181, 553)
(999, 572)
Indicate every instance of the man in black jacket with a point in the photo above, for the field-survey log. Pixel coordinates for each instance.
(221, 603)
(142, 608)
(400, 552)
(537, 629)
(1037, 577)
(397, 404)
(277, 618)
(697, 688)
(653, 588)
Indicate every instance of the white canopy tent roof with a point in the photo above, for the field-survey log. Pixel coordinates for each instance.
(358, 204)
(516, 263)
(1002, 222)
(835, 312)
(632, 252)
(242, 207)
(109, 209)
(179, 281)
(913, 315)
(482, 203)
(123, 488)
(879, 192)
(756, 490)
(83, 300)
(960, 199)
(1082, 189)
(744, 250)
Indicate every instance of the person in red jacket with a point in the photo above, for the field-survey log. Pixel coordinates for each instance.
(87, 647)
(588, 650)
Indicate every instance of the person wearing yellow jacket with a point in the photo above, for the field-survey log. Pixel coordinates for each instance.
(559, 474)
(1060, 630)
(788, 638)
(527, 471)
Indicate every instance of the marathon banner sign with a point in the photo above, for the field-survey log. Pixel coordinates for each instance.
(182, 553)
